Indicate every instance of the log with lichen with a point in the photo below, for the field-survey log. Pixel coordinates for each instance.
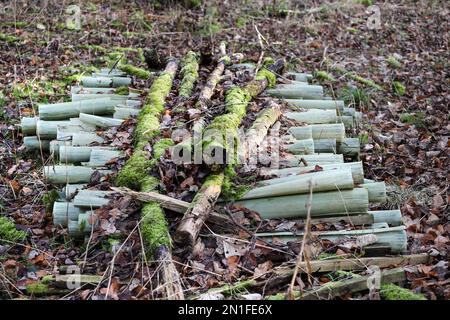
(135, 71)
(136, 175)
(236, 101)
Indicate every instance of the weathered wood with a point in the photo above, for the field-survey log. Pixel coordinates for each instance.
(288, 173)
(331, 180)
(294, 206)
(100, 122)
(62, 174)
(66, 110)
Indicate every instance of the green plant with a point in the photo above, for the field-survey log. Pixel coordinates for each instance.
(355, 96)
(48, 199)
(393, 62)
(9, 232)
(323, 75)
(417, 119)
(393, 292)
(398, 88)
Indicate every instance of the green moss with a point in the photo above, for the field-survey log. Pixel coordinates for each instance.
(231, 190)
(47, 279)
(134, 171)
(189, 74)
(236, 101)
(367, 3)
(393, 62)
(352, 30)
(367, 82)
(49, 198)
(398, 88)
(93, 47)
(154, 226)
(124, 90)
(9, 232)
(37, 288)
(240, 22)
(323, 75)
(135, 71)
(225, 59)
(236, 288)
(393, 292)
(159, 148)
(266, 74)
(8, 38)
(417, 119)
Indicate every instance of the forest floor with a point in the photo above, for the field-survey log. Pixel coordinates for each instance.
(405, 131)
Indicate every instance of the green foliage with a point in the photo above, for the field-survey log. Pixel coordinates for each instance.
(240, 22)
(135, 71)
(135, 170)
(393, 292)
(325, 76)
(398, 88)
(367, 82)
(363, 138)
(49, 198)
(417, 119)
(355, 96)
(231, 190)
(122, 90)
(8, 38)
(37, 288)
(265, 74)
(154, 226)
(366, 2)
(9, 232)
(393, 62)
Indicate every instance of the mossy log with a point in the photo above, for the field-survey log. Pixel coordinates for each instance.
(65, 211)
(135, 71)
(66, 110)
(135, 175)
(34, 143)
(63, 174)
(332, 180)
(313, 116)
(198, 212)
(236, 100)
(393, 237)
(189, 74)
(290, 173)
(320, 131)
(310, 160)
(105, 82)
(305, 146)
(323, 203)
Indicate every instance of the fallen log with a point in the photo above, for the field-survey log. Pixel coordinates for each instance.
(294, 206)
(189, 74)
(236, 100)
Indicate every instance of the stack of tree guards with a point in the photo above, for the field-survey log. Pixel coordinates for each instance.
(68, 131)
(315, 149)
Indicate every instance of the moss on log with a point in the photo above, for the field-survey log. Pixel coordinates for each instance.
(135, 71)
(189, 74)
